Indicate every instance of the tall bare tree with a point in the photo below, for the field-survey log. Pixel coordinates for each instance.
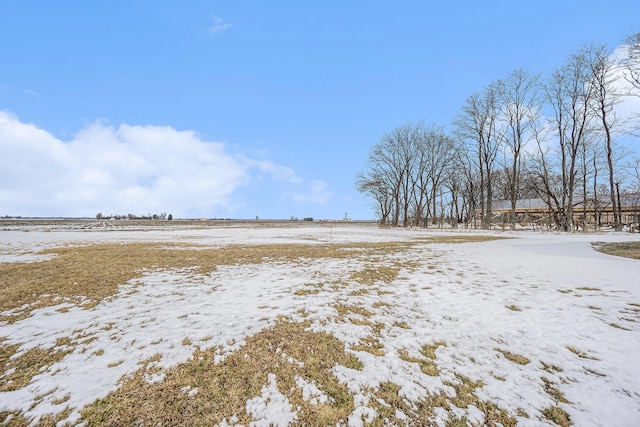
(520, 108)
(389, 178)
(476, 126)
(570, 93)
(605, 98)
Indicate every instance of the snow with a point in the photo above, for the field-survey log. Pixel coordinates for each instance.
(271, 408)
(566, 296)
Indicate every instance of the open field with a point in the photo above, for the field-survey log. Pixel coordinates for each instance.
(243, 323)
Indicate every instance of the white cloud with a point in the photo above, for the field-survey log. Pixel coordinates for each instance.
(129, 169)
(315, 192)
(282, 173)
(218, 25)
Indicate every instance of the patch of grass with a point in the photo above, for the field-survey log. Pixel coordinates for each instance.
(309, 289)
(303, 292)
(551, 368)
(18, 368)
(513, 357)
(615, 325)
(465, 389)
(427, 364)
(225, 387)
(557, 415)
(592, 372)
(344, 310)
(580, 353)
(623, 249)
(388, 402)
(88, 274)
(371, 345)
(13, 419)
(513, 307)
(429, 350)
(372, 275)
(588, 288)
(403, 325)
(61, 400)
(551, 390)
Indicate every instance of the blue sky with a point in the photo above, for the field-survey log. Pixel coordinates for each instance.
(248, 108)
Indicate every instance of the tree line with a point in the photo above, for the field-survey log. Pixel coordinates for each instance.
(161, 217)
(526, 136)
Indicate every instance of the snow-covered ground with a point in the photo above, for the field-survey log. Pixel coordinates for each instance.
(548, 297)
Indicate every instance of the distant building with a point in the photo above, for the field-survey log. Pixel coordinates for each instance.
(538, 212)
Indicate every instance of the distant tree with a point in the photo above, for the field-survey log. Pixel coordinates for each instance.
(170, 217)
(373, 184)
(436, 152)
(388, 179)
(99, 215)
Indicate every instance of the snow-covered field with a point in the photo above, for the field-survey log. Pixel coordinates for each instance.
(571, 312)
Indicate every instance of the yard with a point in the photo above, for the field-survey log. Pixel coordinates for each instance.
(317, 324)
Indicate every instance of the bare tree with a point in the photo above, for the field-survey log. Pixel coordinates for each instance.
(406, 171)
(520, 108)
(632, 61)
(476, 124)
(437, 155)
(605, 98)
(389, 177)
(570, 93)
(373, 184)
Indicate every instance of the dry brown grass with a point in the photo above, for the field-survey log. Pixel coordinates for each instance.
(92, 273)
(370, 344)
(372, 275)
(89, 274)
(388, 402)
(223, 389)
(513, 357)
(557, 415)
(551, 368)
(581, 354)
(13, 419)
(623, 249)
(615, 325)
(344, 310)
(428, 362)
(551, 390)
(18, 368)
(465, 390)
